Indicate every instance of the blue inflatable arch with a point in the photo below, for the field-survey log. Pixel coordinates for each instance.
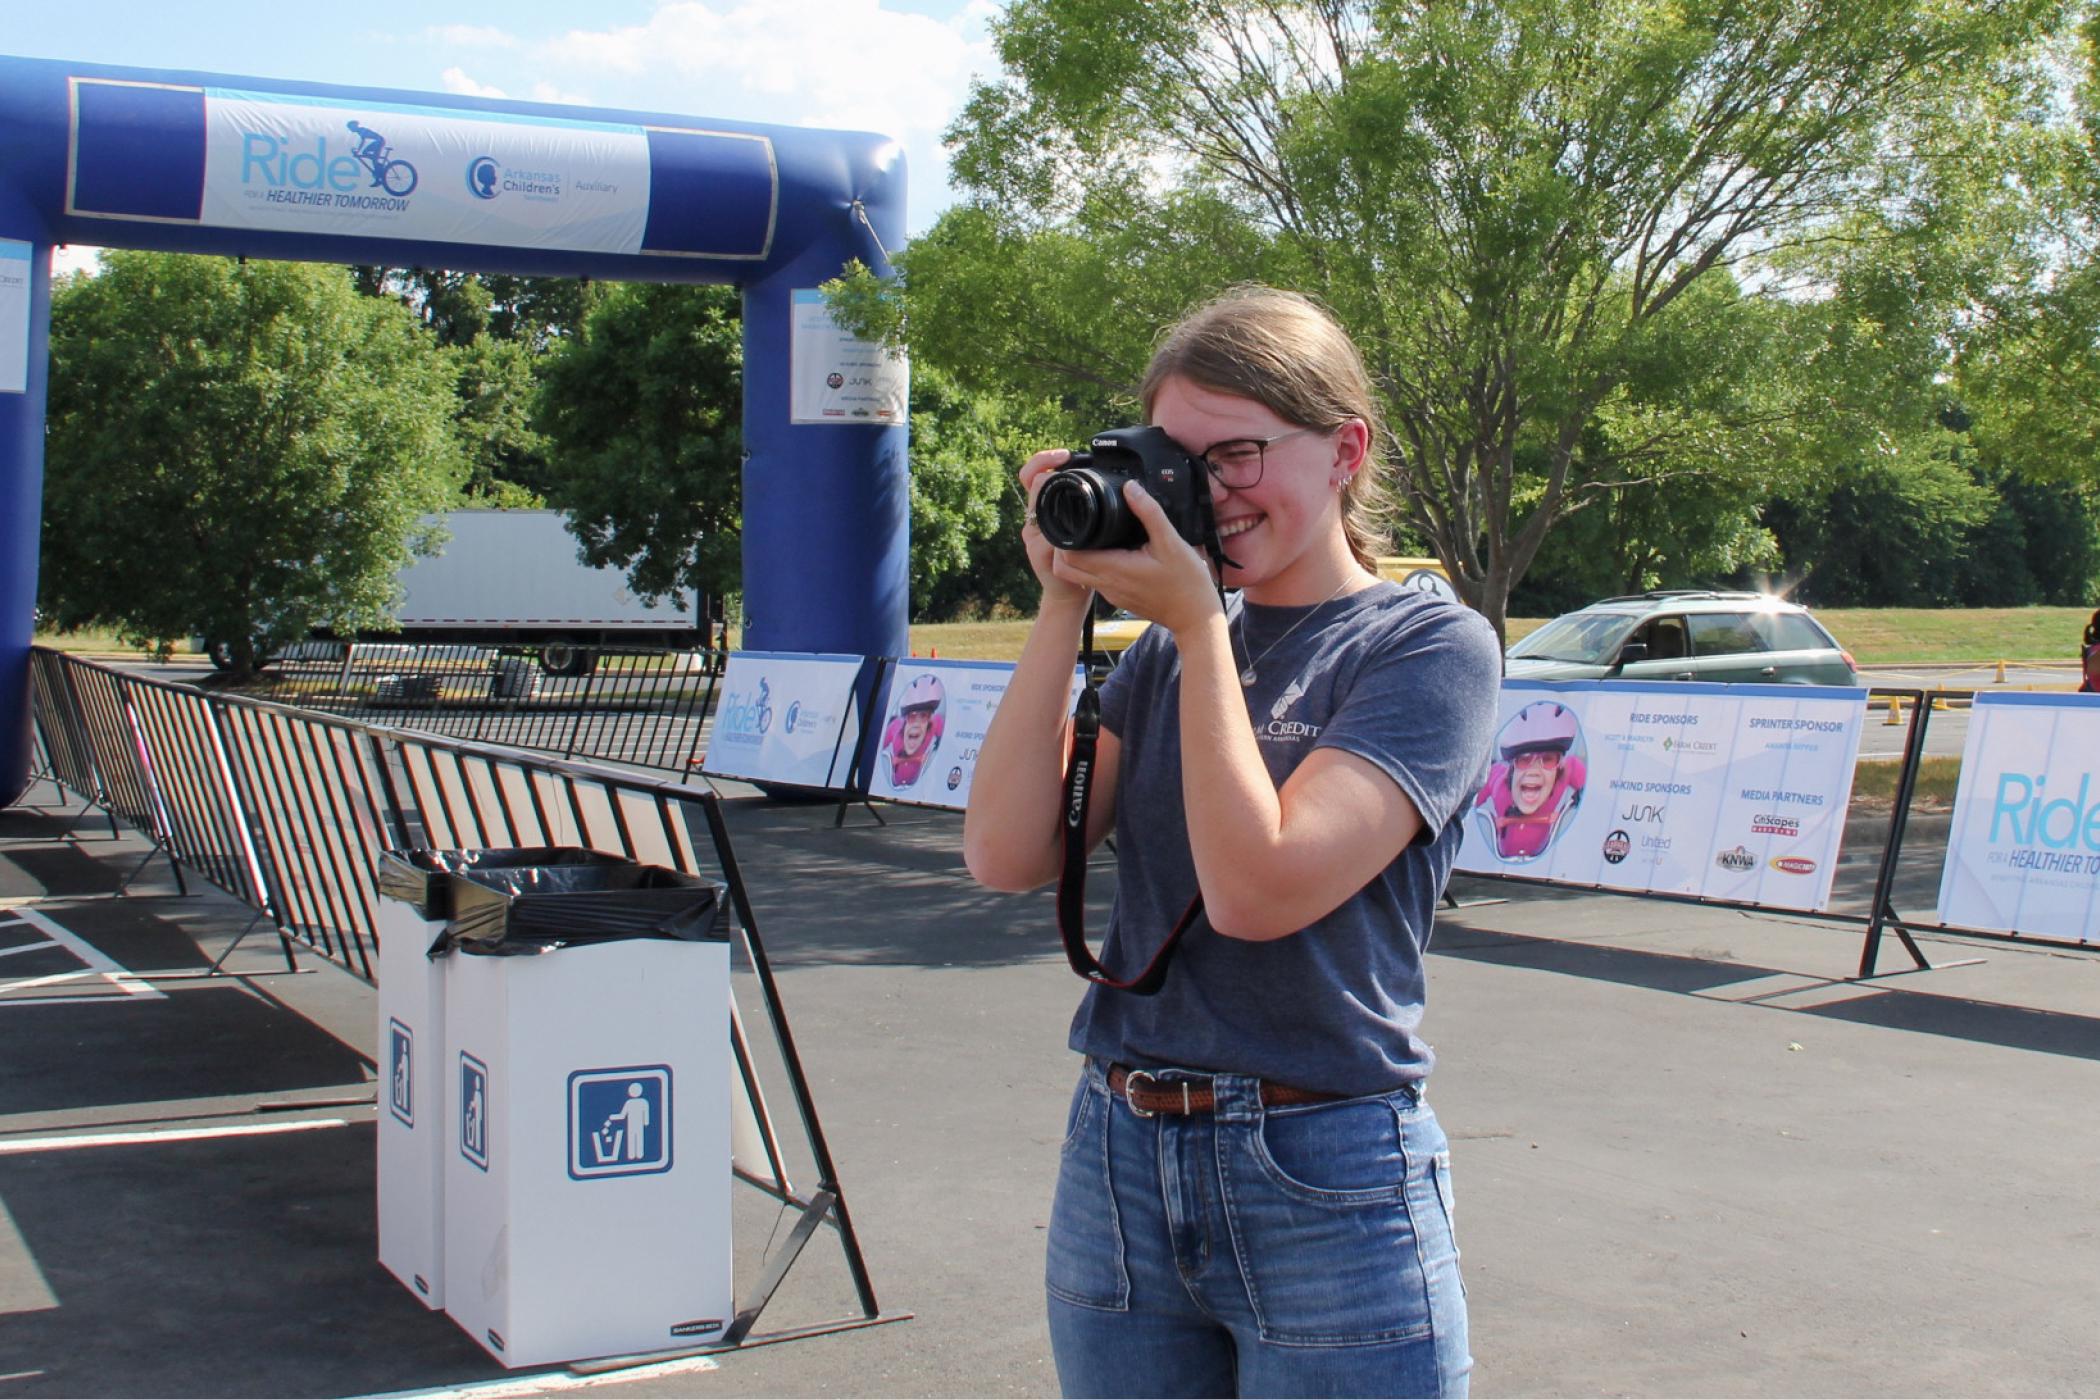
(203, 163)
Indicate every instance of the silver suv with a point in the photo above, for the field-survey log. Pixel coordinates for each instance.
(1686, 635)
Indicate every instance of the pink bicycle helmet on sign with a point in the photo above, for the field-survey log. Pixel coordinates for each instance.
(924, 693)
(1540, 726)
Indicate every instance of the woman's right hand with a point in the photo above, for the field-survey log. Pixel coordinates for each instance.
(1041, 553)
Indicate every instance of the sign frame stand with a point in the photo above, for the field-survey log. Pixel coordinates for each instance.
(851, 792)
(1884, 909)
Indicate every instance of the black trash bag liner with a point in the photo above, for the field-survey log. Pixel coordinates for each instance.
(423, 878)
(537, 909)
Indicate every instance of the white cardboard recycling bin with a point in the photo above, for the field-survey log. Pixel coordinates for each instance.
(412, 1121)
(587, 1172)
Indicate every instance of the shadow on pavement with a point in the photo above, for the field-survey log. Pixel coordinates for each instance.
(897, 895)
(150, 1248)
(1875, 1004)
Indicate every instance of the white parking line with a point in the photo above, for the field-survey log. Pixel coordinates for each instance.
(94, 962)
(16, 1146)
(555, 1382)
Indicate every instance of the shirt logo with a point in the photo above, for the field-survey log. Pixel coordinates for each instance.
(1280, 728)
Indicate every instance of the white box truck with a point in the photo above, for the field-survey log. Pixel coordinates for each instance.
(511, 578)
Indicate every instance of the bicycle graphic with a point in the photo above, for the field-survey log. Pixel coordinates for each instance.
(396, 177)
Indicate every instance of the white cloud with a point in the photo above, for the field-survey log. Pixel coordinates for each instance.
(544, 91)
(840, 64)
(456, 80)
(851, 65)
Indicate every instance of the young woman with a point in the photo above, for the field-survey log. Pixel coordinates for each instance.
(1253, 1197)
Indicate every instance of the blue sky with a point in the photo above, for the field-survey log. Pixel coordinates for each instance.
(899, 67)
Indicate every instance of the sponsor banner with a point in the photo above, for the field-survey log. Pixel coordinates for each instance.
(785, 718)
(384, 170)
(14, 316)
(1728, 792)
(2023, 854)
(935, 716)
(835, 377)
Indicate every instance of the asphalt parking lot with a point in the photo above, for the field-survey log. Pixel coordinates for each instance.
(1692, 1157)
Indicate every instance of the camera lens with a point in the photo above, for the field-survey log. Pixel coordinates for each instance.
(1081, 508)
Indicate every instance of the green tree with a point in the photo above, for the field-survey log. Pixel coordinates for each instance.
(506, 458)
(966, 554)
(2029, 364)
(1509, 204)
(499, 329)
(640, 411)
(238, 451)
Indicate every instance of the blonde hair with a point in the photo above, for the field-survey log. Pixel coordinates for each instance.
(1287, 352)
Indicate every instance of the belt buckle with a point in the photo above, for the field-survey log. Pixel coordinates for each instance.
(1130, 1087)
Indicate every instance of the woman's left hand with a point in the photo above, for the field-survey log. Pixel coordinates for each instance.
(1165, 580)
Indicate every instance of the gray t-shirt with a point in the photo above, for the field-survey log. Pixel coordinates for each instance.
(1400, 678)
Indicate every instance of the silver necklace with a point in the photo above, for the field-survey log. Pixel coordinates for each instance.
(1248, 676)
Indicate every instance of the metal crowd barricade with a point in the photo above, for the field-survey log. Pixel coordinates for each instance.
(625, 705)
(61, 734)
(289, 811)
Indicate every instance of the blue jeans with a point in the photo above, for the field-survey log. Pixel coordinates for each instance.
(1255, 1251)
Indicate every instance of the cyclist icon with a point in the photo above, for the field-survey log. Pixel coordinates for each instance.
(396, 177)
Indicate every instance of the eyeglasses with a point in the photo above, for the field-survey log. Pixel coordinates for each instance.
(1237, 462)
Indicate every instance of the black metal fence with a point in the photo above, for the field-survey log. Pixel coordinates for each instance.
(624, 705)
(288, 811)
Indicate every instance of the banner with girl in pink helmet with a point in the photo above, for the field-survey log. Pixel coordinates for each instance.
(1726, 792)
(934, 717)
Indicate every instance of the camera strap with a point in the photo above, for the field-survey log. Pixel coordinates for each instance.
(1079, 782)
(1071, 883)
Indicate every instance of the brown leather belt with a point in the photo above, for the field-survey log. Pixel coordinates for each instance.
(1150, 1095)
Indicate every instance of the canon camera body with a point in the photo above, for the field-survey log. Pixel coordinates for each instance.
(1081, 505)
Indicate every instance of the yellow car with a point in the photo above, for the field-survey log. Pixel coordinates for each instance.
(1114, 634)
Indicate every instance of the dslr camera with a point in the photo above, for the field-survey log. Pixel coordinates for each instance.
(1081, 505)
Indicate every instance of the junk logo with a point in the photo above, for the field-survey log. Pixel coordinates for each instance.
(619, 1121)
